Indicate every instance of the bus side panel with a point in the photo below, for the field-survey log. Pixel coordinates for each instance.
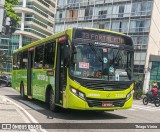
(40, 81)
(19, 76)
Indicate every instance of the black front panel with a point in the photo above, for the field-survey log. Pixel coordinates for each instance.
(102, 84)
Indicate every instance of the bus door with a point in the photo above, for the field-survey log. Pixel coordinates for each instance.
(29, 71)
(61, 72)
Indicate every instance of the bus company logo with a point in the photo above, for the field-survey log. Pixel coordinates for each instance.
(108, 95)
(93, 94)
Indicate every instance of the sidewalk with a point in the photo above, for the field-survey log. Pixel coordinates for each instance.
(10, 115)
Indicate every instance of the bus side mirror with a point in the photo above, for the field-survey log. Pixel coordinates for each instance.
(67, 54)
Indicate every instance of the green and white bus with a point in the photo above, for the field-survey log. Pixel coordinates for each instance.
(80, 68)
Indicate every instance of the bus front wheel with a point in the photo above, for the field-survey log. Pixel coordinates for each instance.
(52, 105)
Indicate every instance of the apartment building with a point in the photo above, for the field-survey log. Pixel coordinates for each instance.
(136, 18)
(37, 22)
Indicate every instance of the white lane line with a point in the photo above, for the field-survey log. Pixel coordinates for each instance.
(29, 115)
(32, 105)
(143, 108)
(148, 108)
(131, 109)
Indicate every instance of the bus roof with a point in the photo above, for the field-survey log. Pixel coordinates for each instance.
(61, 34)
(42, 40)
(104, 30)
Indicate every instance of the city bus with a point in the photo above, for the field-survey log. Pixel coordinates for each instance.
(79, 68)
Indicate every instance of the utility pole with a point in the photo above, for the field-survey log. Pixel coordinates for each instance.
(2, 2)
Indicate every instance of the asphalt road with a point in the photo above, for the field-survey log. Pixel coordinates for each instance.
(74, 120)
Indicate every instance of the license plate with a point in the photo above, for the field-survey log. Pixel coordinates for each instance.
(107, 104)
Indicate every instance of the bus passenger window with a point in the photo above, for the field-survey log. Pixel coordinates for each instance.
(15, 62)
(25, 60)
(49, 53)
(19, 60)
(38, 59)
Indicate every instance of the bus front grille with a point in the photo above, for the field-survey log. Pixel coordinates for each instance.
(106, 86)
(98, 103)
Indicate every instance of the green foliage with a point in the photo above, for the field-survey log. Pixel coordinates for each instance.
(4, 58)
(10, 11)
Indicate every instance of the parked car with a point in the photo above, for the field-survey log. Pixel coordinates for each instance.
(5, 80)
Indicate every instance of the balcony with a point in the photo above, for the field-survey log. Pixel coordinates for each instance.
(31, 33)
(31, 11)
(44, 4)
(140, 47)
(34, 24)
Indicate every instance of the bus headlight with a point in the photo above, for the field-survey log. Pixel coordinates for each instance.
(77, 93)
(129, 95)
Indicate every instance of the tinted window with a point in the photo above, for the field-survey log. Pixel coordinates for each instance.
(38, 60)
(49, 54)
(15, 61)
(19, 60)
(25, 60)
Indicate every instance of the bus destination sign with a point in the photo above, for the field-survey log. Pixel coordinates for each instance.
(98, 36)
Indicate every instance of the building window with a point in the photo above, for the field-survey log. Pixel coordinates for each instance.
(72, 15)
(141, 8)
(88, 13)
(101, 26)
(60, 15)
(155, 71)
(102, 14)
(139, 68)
(121, 11)
(139, 26)
(117, 26)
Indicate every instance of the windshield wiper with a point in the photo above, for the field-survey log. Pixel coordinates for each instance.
(96, 51)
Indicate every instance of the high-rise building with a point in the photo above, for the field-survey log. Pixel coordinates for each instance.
(137, 18)
(37, 22)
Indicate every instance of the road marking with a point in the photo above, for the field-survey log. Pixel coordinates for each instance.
(32, 105)
(29, 115)
(145, 107)
(131, 109)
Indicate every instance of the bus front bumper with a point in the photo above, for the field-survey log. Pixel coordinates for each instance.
(75, 102)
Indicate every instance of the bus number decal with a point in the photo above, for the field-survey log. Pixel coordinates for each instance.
(84, 65)
(91, 74)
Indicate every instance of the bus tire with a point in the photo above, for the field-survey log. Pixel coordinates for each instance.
(52, 105)
(22, 90)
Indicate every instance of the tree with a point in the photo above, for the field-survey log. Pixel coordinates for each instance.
(10, 11)
(4, 58)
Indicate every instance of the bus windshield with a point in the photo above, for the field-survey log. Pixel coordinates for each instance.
(90, 61)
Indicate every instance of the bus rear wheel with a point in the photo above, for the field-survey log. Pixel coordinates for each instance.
(52, 105)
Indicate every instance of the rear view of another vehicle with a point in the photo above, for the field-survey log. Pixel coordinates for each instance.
(5, 81)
